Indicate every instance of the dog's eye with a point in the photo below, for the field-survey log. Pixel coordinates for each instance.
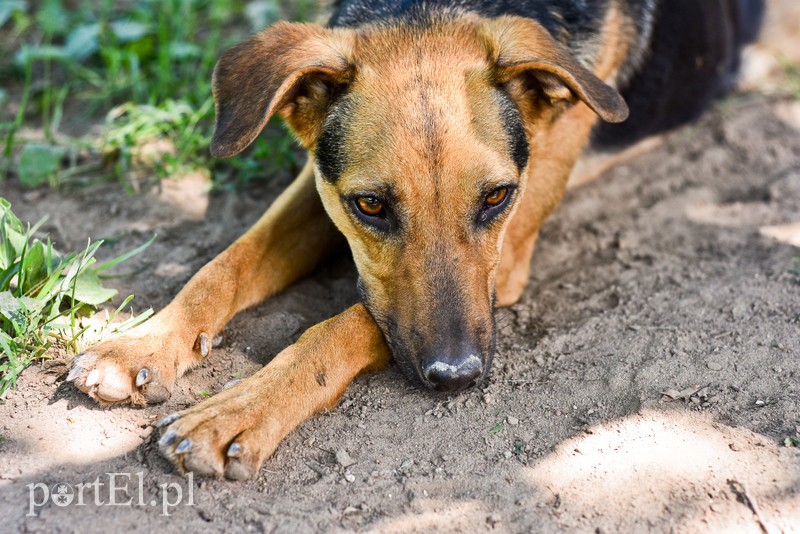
(495, 203)
(370, 206)
(496, 197)
(374, 213)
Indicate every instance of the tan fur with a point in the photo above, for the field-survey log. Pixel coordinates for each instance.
(258, 412)
(427, 126)
(283, 246)
(618, 34)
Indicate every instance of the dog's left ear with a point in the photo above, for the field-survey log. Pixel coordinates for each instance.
(521, 47)
(294, 70)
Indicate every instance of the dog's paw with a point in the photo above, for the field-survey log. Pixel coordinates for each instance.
(138, 367)
(230, 434)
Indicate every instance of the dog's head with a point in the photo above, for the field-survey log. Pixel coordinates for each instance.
(421, 137)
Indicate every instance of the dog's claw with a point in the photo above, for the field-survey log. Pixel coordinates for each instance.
(168, 439)
(204, 343)
(93, 378)
(75, 359)
(74, 372)
(168, 420)
(183, 447)
(235, 450)
(143, 377)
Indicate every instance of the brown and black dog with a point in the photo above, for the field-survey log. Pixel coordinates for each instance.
(440, 134)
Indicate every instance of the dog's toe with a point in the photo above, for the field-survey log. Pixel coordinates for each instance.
(136, 369)
(157, 388)
(235, 469)
(244, 456)
(200, 465)
(101, 379)
(167, 438)
(168, 419)
(227, 435)
(110, 383)
(185, 446)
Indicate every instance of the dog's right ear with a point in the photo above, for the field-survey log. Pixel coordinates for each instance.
(294, 70)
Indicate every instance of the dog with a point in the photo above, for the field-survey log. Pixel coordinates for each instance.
(441, 134)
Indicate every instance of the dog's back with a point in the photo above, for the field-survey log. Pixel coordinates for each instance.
(692, 57)
(680, 54)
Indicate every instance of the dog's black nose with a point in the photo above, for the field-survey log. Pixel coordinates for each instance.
(446, 376)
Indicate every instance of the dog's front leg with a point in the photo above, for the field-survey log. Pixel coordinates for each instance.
(285, 244)
(548, 174)
(232, 433)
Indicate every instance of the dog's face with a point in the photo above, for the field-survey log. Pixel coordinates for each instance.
(421, 141)
(420, 164)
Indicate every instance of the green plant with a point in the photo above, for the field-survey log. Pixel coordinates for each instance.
(791, 73)
(270, 153)
(150, 62)
(44, 295)
(175, 123)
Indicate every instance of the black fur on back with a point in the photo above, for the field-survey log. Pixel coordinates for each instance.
(693, 57)
(580, 16)
(686, 52)
(573, 23)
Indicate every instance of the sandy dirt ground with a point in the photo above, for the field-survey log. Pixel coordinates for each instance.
(646, 381)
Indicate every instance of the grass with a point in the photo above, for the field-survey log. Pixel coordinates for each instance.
(791, 73)
(44, 296)
(144, 65)
(141, 70)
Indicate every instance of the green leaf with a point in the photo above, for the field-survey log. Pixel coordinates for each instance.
(497, 428)
(37, 163)
(5, 344)
(16, 241)
(124, 257)
(28, 53)
(12, 307)
(182, 50)
(82, 42)
(53, 19)
(89, 289)
(127, 31)
(9, 7)
(32, 267)
(12, 237)
(9, 219)
(133, 321)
